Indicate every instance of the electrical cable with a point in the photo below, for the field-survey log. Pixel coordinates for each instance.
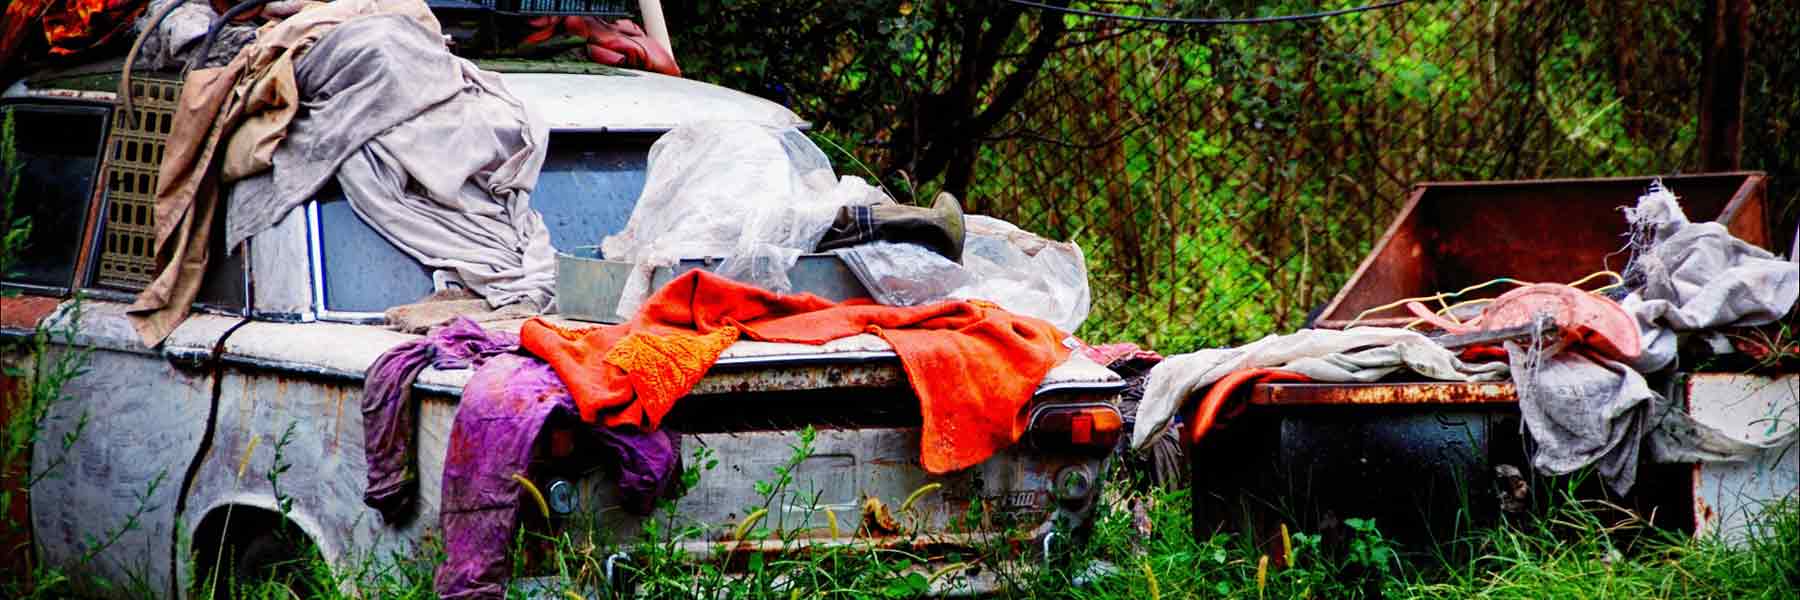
(1433, 297)
(1618, 281)
(1203, 21)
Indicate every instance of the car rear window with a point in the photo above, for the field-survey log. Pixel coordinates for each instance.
(587, 188)
(57, 160)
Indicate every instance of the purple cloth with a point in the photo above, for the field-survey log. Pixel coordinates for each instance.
(389, 415)
(504, 407)
(506, 404)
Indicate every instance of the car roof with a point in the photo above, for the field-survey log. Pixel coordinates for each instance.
(623, 100)
(570, 96)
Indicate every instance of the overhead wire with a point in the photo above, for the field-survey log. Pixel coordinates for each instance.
(1208, 21)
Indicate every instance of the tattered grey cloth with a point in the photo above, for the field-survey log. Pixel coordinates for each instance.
(432, 152)
(1581, 410)
(1696, 277)
(1362, 354)
(182, 32)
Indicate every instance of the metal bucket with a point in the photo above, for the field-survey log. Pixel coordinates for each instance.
(588, 286)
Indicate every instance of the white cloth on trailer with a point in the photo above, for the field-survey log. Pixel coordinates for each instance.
(1359, 355)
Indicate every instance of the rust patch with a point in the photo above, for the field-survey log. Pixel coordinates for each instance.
(923, 544)
(24, 312)
(735, 380)
(1332, 394)
(877, 520)
(337, 421)
(11, 395)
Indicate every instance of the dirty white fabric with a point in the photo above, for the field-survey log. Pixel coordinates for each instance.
(1018, 271)
(434, 153)
(1585, 410)
(1581, 410)
(758, 196)
(1362, 354)
(1697, 276)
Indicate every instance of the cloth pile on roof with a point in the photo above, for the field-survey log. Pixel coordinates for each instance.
(65, 28)
(170, 43)
(432, 152)
(620, 43)
(1582, 392)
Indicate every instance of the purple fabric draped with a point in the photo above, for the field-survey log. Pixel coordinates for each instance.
(505, 406)
(389, 415)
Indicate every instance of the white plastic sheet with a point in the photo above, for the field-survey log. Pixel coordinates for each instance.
(755, 195)
(760, 196)
(1026, 274)
(1019, 271)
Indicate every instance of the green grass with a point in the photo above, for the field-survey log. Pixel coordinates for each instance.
(1566, 553)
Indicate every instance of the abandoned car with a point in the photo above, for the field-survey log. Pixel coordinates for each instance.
(271, 366)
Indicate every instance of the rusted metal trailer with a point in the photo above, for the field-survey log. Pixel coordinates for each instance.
(1421, 457)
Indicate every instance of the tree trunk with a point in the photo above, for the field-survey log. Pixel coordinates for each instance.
(1722, 74)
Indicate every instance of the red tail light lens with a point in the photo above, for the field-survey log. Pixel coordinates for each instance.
(1085, 426)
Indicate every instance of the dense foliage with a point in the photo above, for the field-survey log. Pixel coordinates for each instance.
(1224, 181)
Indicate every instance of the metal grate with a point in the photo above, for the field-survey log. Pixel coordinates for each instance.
(134, 150)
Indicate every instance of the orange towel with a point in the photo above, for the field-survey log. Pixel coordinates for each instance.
(973, 366)
(1223, 400)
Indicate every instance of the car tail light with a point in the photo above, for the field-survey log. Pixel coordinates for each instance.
(1082, 425)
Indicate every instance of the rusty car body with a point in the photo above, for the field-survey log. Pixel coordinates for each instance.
(288, 325)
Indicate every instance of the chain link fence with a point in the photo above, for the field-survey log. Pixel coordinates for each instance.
(1225, 181)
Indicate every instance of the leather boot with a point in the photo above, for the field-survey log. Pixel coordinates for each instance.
(939, 228)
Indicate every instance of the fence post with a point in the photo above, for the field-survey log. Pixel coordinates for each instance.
(1723, 69)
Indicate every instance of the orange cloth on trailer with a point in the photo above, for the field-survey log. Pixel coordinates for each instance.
(973, 366)
(1223, 400)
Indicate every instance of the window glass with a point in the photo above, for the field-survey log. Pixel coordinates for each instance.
(58, 157)
(589, 185)
(586, 191)
(363, 272)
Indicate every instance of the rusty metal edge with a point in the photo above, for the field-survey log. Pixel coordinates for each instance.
(1412, 205)
(456, 391)
(21, 315)
(90, 231)
(1753, 193)
(1569, 180)
(1382, 394)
